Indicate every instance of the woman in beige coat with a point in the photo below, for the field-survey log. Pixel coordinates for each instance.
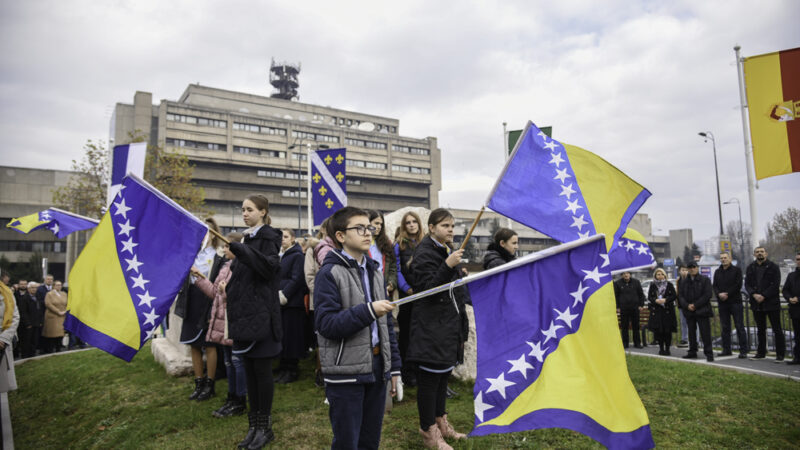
(55, 309)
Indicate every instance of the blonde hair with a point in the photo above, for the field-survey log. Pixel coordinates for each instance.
(659, 270)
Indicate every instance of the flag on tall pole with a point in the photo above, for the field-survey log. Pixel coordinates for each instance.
(60, 222)
(564, 191)
(328, 182)
(549, 353)
(124, 159)
(772, 82)
(126, 278)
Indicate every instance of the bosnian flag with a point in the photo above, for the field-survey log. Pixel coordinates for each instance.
(124, 159)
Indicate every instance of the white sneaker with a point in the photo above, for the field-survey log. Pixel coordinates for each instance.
(399, 390)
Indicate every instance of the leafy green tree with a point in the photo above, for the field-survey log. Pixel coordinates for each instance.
(86, 191)
(783, 234)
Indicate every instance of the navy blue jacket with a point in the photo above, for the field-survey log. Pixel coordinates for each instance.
(293, 279)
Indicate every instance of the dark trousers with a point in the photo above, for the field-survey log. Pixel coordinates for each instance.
(777, 332)
(664, 339)
(704, 323)
(630, 317)
(52, 344)
(726, 310)
(404, 321)
(29, 340)
(260, 387)
(356, 411)
(796, 349)
(431, 396)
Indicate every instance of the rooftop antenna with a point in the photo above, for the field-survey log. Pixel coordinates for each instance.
(283, 77)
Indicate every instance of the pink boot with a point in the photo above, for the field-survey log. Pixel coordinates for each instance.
(432, 438)
(447, 430)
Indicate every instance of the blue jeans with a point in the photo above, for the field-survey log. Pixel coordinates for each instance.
(356, 411)
(234, 368)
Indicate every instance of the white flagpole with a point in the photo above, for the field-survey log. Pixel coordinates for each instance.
(308, 187)
(748, 150)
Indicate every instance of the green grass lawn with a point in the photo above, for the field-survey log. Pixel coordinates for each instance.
(93, 400)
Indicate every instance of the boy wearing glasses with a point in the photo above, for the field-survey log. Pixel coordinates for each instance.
(357, 346)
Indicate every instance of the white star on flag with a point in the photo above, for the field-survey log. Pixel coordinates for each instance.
(565, 316)
(499, 384)
(520, 365)
(557, 160)
(543, 136)
(481, 407)
(584, 235)
(133, 264)
(594, 275)
(578, 295)
(125, 228)
(567, 191)
(642, 249)
(573, 206)
(149, 334)
(122, 210)
(550, 333)
(537, 351)
(127, 246)
(578, 222)
(552, 145)
(151, 317)
(54, 228)
(605, 259)
(562, 175)
(145, 299)
(139, 281)
(630, 246)
(45, 215)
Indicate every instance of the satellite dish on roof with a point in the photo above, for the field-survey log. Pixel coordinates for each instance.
(366, 126)
(287, 117)
(244, 110)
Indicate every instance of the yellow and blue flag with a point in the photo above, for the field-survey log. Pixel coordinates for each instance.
(125, 280)
(549, 353)
(328, 182)
(60, 222)
(631, 252)
(564, 191)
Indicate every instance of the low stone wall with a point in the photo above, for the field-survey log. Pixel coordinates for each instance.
(169, 352)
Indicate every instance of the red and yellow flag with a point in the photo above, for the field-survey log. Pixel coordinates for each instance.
(773, 97)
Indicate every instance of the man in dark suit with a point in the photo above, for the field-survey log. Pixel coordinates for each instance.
(791, 292)
(695, 300)
(727, 287)
(763, 282)
(630, 300)
(41, 293)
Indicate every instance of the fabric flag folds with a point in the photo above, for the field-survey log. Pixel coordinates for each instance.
(60, 222)
(126, 278)
(631, 252)
(129, 158)
(549, 353)
(773, 98)
(564, 191)
(328, 182)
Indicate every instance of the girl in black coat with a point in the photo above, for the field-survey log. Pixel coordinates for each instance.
(661, 298)
(293, 289)
(502, 250)
(254, 316)
(439, 325)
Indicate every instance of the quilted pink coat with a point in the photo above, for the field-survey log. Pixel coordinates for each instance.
(216, 323)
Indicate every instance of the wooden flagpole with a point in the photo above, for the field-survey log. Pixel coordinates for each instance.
(472, 228)
(225, 240)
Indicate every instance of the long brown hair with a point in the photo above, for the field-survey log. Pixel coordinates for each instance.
(381, 240)
(212, 224)
(404, 239)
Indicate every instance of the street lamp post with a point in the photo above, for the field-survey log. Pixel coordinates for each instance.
(708, 135)
(299, 184)
(741, 228)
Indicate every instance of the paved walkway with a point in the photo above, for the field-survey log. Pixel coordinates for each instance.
(766, 367)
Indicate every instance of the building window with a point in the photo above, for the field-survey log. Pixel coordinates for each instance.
(288, 175)
(196, 144)
(365, 144)
(203, 121)
(366, 164)
(258, 129)
(288, 193)
(353, 181)
(315, 136)
(259, 151)
(410, 169)
(300, 156)
(410, 150)
(33, 246)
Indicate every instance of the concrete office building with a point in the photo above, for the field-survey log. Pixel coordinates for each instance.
(243, 143)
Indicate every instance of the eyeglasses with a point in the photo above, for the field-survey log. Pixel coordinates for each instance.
(362, 230)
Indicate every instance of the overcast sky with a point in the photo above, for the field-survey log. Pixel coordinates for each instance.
(631, 81)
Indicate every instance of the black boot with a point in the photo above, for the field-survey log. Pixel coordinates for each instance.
(220, 412)
(264, 434)
(251, 431)
(198, 386)
(238, 406)
(208, 390)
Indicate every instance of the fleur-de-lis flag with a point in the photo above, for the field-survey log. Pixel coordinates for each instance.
(328, 182)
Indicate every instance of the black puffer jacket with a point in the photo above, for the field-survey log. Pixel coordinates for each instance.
(293, 281)
(439, 324)
(496, 256)
(253, 306)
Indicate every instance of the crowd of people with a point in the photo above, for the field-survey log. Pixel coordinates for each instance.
(692, 295)
(265, 299)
